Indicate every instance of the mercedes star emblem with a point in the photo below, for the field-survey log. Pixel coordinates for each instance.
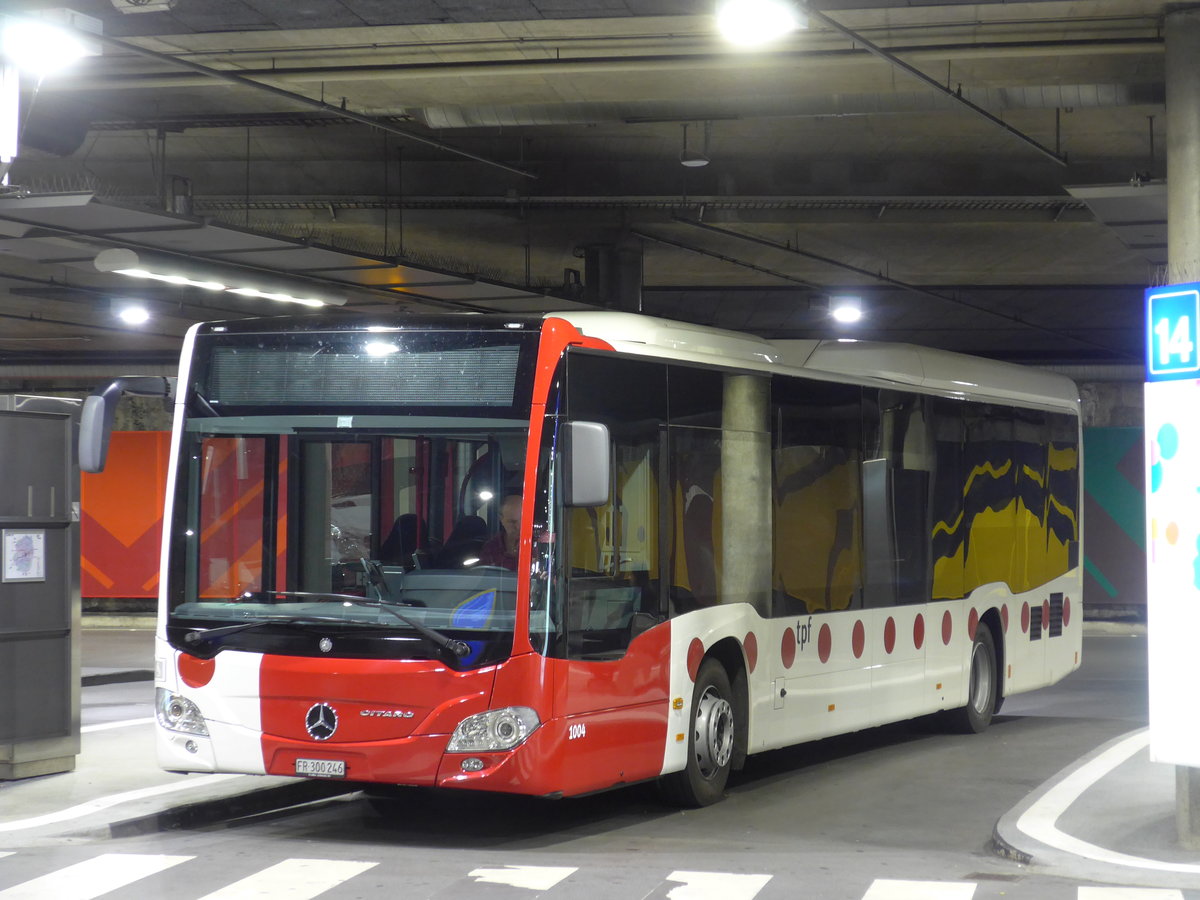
(325, 644)
(321, 721)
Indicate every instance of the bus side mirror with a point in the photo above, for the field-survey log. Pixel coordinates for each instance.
(96, 421)
(588, 461)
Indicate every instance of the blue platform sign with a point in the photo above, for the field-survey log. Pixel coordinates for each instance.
(1173, 332)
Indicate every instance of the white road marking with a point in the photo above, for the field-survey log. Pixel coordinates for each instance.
(92, 806)
(292, 879)
(888, 889)
(533, 878)
(124, 723)
(93, 877)
(1128, 893)
(1039, 821)
(4, 853)
(715, 886)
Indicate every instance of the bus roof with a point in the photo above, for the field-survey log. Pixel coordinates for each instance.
(865, 362)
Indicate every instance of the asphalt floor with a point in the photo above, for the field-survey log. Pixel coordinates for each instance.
(1109, 816)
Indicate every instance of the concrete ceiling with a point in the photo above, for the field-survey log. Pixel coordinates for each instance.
(503, 143)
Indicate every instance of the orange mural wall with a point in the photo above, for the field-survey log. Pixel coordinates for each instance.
(121, 517)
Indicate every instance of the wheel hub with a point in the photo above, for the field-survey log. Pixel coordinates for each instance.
(714, 733)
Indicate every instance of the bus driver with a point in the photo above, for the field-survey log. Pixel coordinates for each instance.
(501, 549)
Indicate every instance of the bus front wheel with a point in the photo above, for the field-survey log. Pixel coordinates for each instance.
(982, 688)
(711, 741)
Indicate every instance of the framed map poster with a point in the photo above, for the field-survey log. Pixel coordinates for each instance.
(24, 553)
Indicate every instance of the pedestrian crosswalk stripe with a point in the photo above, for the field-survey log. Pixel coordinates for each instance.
(716, 886)
(534, 878)
(292, 879)
(304, 879)
(93, 877)
(888, 889)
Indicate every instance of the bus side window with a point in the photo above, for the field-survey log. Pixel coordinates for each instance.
(817, 491)
(896, 498)
(612, 551)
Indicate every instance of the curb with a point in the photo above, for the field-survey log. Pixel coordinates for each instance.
(101, 621)
(117, 677)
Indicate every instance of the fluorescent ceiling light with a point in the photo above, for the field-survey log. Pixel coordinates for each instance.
(41, 48)
(846, 310)
(131, 313)
(169, 270)
(752, 23)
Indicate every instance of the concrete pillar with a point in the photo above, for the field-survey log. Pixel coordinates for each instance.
(746, 533)
(613, 275)
(1183, 259)
(1183, 144)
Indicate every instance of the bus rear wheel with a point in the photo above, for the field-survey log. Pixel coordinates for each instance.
(711, 741)
(982, 688)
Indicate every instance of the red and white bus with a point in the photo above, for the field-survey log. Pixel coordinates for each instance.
(716, 545)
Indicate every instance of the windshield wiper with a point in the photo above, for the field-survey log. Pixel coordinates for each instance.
(209, 635)
(457, 647)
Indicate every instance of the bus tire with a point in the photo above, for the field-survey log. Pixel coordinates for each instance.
(981, 689)
(711, 741)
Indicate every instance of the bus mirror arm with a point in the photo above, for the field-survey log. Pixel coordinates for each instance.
(96, 421)
(588, 463)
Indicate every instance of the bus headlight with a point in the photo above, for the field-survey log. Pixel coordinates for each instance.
(178, 713)
(496, 729)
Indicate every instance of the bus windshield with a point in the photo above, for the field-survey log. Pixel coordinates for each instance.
(298, 520)
(374, 528)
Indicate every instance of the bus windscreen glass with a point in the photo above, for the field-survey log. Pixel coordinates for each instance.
(372, 524)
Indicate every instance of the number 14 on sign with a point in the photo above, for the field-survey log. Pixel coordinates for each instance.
(1172, 320)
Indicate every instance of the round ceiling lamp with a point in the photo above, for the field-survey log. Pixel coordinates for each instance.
(753, 23)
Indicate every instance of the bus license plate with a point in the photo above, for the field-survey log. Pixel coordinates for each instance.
(321, 768)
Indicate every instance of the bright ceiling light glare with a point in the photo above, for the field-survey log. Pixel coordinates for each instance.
(753, 23)
(846, 310)
(122, 261)
(41, 48)
(133, 315)
(381, 348)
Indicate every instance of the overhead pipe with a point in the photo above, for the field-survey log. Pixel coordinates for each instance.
(876, 50)
(373, 122)
(594, 65)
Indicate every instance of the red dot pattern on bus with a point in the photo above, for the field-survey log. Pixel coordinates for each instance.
(694, 657)
(787, 649)
(750, 645)
(858, 634)
(1066, 611)
(196, 672)
(1046, 614)
(858, 639)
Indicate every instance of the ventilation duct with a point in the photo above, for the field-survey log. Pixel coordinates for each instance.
(1050, 96)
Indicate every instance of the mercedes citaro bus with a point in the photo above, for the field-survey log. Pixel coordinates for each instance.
(717, 545)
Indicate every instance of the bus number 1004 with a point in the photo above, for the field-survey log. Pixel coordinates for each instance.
(576, 731)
